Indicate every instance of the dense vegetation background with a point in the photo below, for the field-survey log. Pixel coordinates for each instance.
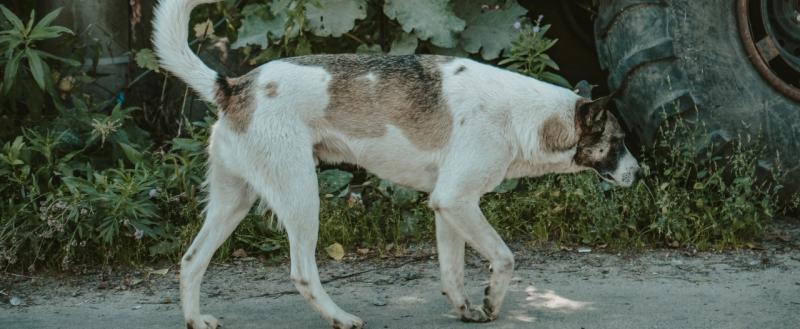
(115, 176)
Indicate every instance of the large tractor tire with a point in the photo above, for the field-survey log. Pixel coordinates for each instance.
(733, 64)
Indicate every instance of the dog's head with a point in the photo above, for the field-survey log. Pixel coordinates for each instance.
(601, 144)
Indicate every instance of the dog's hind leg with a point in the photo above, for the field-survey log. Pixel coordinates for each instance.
(292, 191)
(229, 201)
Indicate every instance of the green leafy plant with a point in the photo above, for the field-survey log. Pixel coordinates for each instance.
(528, 53)
(24, 62)
(294, 27)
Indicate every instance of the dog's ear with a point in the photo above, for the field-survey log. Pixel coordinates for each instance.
(591, 115)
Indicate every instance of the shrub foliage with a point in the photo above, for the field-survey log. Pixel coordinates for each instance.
(83, 182)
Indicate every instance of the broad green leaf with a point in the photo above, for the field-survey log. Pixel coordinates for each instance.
(12, 66)
(490, 31)
(49, 32)
(146, 59)
(258, 24)
(406, 44)
(555, 79)
(31, 19)
(187, 144)
(12, 32)
(403, 196)
(278, 6)
(334, 17)
(10, 41)
(47, 19)
(67, 61)
(37, 66)
(399, 195)
(333, 180)
(546, 60)
(430, 19)
(13, 19)
(507, 185)
(131, 153)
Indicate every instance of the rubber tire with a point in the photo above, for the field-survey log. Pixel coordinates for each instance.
(668, 57)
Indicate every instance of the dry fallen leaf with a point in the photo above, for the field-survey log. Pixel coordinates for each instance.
(336, 251)
(162, 271)
(136, 15)
(204, 29)
(362, 251)
(239, 253)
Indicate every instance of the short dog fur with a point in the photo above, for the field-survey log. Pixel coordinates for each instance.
(448, 126)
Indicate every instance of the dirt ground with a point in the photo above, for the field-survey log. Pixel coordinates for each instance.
(552, 288)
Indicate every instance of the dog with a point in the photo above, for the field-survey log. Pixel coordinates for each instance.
(451, 127)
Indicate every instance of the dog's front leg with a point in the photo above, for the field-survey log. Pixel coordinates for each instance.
(450, 247)
(476, 164)
(465, 217)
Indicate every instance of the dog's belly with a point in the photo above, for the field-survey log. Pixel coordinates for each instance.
(392, 157)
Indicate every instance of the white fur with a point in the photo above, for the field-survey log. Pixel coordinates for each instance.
(625, 173)
(495, 135)
(170, 34)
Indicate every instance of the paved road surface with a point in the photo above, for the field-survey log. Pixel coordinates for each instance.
(551, 289)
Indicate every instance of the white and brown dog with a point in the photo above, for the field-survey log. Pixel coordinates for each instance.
(448, 126)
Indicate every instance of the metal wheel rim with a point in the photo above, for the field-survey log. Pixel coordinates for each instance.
(766, 54)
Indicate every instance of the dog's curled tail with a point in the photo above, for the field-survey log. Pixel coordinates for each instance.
(170, 40)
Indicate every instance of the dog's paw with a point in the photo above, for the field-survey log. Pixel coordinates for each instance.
(204, 321)
(475, 314)
(489, 309)
(348, 321)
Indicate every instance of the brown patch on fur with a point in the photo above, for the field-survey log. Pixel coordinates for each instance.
(235, 99)
(369, 92)
(555, 135)
(272, 89)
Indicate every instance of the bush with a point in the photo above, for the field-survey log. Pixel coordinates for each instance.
(85, 183)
